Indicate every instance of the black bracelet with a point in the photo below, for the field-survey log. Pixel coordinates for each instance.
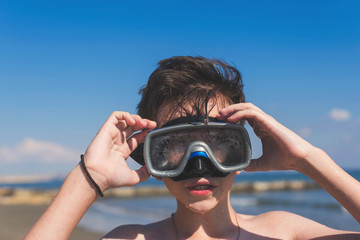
(89, 176)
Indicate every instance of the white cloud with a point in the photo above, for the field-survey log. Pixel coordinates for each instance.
(34, 150)
(339, 115)
(6, 154)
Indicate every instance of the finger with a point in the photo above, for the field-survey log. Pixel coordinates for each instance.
(231, 109)
(139, 175)
(143, 174)
(123, 117)
(150, 124)
(121, 120)
(136, 139)
(128, 127)
(134, 123)
(115, 118)
(247, 114)
(142, 123)
(261, 123)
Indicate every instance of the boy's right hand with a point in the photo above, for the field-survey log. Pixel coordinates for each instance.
(105, 157)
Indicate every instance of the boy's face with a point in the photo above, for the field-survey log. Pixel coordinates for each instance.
(201, 193)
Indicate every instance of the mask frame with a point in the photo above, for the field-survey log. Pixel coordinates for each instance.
(195, 146)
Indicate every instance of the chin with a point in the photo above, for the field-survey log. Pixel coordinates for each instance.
(202, 206)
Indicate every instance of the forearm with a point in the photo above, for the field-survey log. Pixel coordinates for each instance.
(343, 187)
(64, 213)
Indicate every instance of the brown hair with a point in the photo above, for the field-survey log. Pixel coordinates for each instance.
(185, 81)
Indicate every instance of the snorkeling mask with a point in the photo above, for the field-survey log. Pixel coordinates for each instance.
(195, 147)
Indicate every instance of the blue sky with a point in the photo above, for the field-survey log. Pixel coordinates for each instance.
(65, 66)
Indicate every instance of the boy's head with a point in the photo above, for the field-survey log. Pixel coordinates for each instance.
(191, 86)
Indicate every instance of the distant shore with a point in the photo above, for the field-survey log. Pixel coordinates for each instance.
(239, 187)
(26, 178)
(10, 196)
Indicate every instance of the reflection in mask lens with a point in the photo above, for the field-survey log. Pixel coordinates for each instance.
(167, 150)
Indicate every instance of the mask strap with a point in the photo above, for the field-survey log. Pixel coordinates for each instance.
(191, 119)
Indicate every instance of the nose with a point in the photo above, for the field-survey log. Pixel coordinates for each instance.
(200, 165)
(199, 162)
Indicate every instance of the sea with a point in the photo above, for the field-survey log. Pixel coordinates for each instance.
(316, 204)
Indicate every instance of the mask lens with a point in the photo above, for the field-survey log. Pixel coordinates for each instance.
(169, 147)
(227, 146)
(167, 151)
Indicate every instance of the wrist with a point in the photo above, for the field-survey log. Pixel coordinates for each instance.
(96, 181)
(312, 161)
(99, 179)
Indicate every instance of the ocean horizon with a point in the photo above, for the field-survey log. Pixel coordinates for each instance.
(53, 182)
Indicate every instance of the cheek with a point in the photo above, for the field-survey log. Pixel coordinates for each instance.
(227, 183)
(167, 182)
(172, 186)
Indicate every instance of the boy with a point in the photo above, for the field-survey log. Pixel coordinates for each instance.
(188, 95)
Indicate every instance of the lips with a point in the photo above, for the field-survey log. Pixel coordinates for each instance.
(201, 187)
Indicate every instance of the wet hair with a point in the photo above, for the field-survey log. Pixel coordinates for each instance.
(186, 82)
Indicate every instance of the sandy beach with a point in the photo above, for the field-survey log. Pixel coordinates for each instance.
(16, 220)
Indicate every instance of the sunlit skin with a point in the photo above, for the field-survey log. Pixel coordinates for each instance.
(203, 212)
(214, 200)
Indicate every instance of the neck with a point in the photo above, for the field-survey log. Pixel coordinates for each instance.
(219, 222)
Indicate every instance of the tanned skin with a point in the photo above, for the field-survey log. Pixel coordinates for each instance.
(212, 216)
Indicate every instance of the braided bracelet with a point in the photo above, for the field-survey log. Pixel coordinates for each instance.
(82, 163)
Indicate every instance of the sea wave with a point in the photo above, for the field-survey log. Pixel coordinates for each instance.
(315, 204)
(148, 213)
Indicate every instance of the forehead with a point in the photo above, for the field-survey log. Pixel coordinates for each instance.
(169, 112)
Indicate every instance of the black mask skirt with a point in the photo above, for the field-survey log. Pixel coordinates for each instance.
(198, 167)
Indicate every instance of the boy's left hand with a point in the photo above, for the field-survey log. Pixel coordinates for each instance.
(282, 148)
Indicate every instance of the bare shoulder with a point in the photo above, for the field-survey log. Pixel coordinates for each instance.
(276, 217)
(286, 225)
(274, 224)
(138, 231)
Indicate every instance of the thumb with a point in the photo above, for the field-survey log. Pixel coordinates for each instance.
(256, 165)
(143, 174)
